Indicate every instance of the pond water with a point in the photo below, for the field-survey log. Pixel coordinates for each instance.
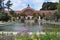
(22, 26)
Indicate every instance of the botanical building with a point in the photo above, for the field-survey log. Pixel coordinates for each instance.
(28, 11)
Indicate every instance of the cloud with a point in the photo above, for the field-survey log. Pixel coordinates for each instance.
(38, 4)
(54, 0)
(51, 0)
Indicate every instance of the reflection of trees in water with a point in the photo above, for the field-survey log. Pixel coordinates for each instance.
(20, 26)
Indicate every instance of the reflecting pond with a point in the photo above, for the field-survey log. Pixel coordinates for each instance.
(32, 28)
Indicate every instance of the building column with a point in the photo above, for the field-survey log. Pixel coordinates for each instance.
(39, 18)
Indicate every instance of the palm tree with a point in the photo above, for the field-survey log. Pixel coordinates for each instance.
(8, 5)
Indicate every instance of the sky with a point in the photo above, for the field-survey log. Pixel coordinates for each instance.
(35, 4)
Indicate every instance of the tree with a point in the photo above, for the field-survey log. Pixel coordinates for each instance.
(8, 5)
(42, 16)
(49, 6)
(23, 14)
(4, 17)
(12, 13)
(58, 7)
(57, 15)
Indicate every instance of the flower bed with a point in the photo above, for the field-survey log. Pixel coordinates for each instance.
(30, 36)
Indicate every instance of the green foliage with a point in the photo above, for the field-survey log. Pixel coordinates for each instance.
(58, 7)
(57, 15)
(26, 37)
(35, 36)
(18, 36)
(12, 13)
(4, 17)
(49, 6)
(34, 14)
(46, 36)
(42, 16)
(50, 36)
(23, 37)
(23, 14)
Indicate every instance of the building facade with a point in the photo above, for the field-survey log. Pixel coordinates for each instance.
(29, 12)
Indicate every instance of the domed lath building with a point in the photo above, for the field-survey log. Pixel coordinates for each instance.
(29, 12)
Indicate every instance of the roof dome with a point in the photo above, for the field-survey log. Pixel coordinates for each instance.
(28, 8)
